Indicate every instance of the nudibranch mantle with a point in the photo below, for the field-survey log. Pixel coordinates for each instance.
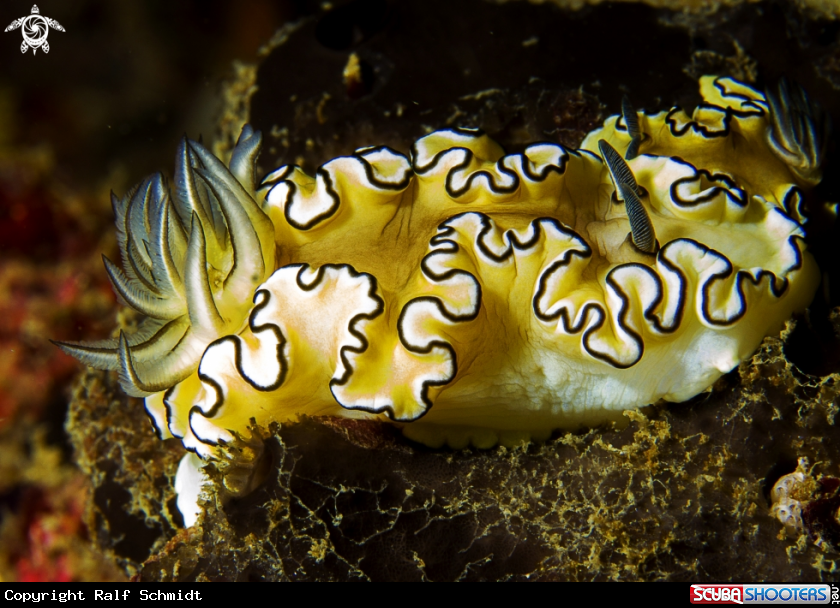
(468, 295)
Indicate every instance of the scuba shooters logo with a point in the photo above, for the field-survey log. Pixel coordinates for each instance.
(717, 594)
(764, 594)
(35, 29)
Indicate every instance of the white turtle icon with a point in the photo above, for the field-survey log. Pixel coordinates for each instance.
(35, 28)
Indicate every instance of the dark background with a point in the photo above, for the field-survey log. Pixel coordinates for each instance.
(127, 78)
(104, 108)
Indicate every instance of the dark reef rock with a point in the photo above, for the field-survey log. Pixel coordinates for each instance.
(680, 494)
(132, 511)
(426, 70)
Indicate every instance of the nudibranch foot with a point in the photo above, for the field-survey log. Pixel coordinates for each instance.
(458, 437)
(190, 481)
(467, 295)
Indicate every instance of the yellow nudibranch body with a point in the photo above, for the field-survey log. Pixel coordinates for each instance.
(464, 294)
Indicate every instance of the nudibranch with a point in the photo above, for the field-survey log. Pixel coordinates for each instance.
(468, 295)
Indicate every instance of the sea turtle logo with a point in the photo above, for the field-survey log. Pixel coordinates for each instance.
(35, 28)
